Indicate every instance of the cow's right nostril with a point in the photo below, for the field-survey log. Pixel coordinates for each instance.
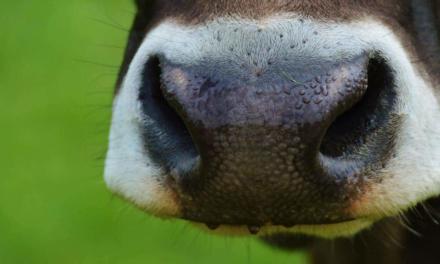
(165, 135)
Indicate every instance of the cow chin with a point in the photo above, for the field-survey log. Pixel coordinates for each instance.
(135, 167)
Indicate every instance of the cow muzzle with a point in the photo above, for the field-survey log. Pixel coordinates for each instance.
(281, 144)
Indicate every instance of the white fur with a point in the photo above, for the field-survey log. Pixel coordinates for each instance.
(412, 176)
(128, 169)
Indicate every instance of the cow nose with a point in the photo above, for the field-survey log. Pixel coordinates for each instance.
(258, 138)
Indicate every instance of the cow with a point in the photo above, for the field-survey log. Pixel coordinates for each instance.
(313, 124)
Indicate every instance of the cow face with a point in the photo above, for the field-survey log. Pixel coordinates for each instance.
(314, 117)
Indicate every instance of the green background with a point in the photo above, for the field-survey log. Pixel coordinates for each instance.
(58, 63)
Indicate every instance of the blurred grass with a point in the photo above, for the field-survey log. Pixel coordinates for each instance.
(58, 64)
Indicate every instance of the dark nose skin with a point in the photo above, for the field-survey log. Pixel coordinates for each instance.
(258, 138)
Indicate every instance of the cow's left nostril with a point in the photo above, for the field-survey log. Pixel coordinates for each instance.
(357, 126)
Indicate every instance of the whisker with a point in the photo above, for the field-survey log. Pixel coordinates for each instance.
(110, 46)
(179, 234)
(248, 251)
(97, 63)
(405, 223)
(385, 229)
(429, 213)
(115, 26)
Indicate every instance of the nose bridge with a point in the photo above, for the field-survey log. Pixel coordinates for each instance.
(256, 45)
(279, 99)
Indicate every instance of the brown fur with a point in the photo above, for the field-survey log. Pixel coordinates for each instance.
(198, 11)
(397, 14)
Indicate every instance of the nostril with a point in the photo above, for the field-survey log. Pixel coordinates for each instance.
(167, 140)
(356, 127)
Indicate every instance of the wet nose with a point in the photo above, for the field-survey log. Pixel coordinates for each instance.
(258, 137)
